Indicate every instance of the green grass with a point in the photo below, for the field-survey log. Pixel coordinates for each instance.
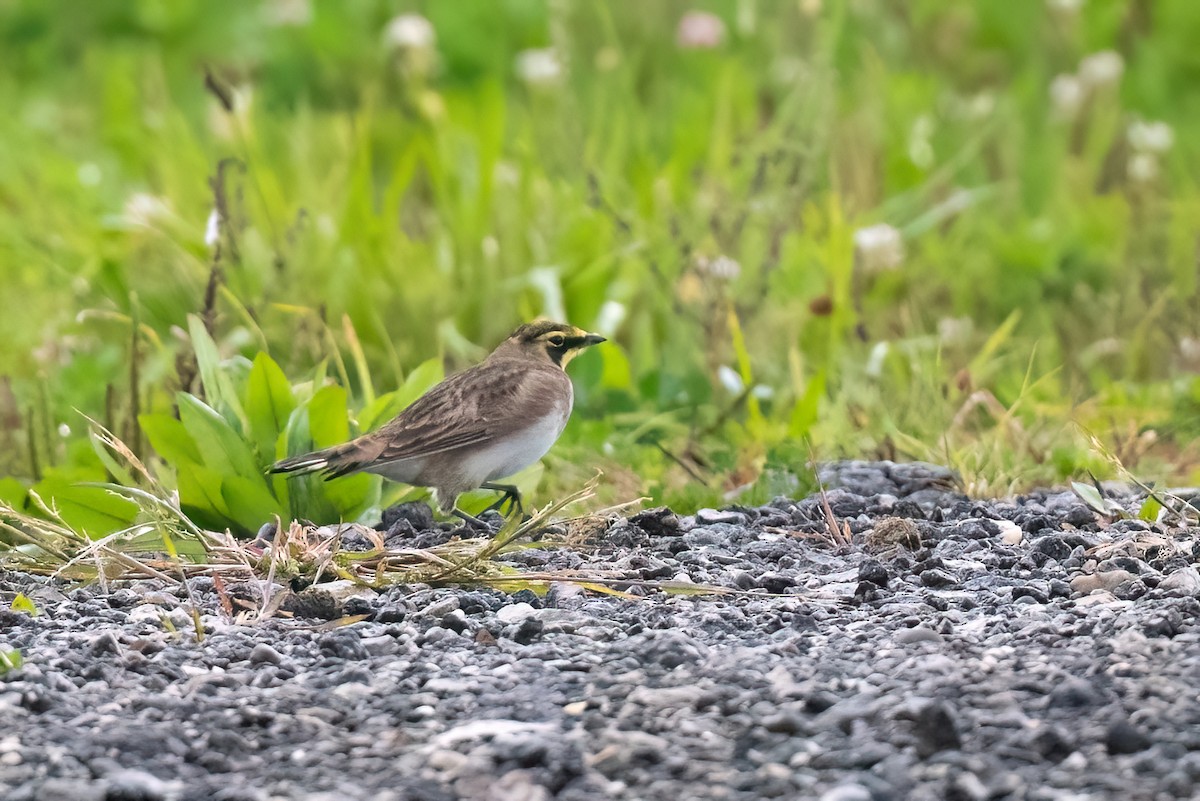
(377, 214)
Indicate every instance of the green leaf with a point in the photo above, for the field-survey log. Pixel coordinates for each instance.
(10, 660)
(91, 510)
(616, 373)
(221, 448)
(418, 382)
(322, 422)
(117, 470)
(1151, 508)
(387, 406)
(22, 604)
(13, 492)
(269, 403)
(170, 439)
(807, 408)
(218, 388)
(153, 542)
(249, 501)
(379, 411)
(328, 420)
(200, 495)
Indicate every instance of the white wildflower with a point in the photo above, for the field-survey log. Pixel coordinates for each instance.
(89, 173)
(212, 229)
(288, 13)
(490, 247)
(142, 208)
(412, 40)
(763, 392)
(730, 379)
(326, 226)
(1142, 167)
(981, 106)
(1066, 8)
(1150, 137)
(878, 248)
(64, 430)
(1189, 349)
(879, 354)
(955, 330)
(539, 68)
(1104, 68)
(410, 32)
(700, 30)
(1066, 95)
(722, 268)
(506, 174)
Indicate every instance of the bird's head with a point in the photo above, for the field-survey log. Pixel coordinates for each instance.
(555, 342)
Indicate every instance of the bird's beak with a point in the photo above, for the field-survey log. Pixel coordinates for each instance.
(593, 339)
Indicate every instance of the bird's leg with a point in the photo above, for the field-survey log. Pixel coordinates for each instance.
(470, 520)
(511, 495)
(449, 505)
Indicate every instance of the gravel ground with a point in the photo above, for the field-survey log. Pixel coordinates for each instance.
(958, 649)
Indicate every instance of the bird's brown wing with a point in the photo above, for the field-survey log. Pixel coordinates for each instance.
(470, 408)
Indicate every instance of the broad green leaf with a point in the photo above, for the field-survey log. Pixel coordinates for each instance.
(200, 496)
(351, 496)
(1150, 510)
(418, 382)
(218, 388)
(616, 373)
(169, 439)
(323, 422)
(328, 419)
(380, 411)
(91, 510)
(269, 402)
(153, 542)
(12, 492)
(305, 496)
(221, 448)
(387, 406)
(249, 501)
(1091, 496)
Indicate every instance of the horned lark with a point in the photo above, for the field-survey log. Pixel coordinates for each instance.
(485, 423)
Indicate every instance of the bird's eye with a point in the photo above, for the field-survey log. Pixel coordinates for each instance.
(556, 340)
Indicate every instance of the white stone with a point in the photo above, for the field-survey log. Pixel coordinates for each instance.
(1185, 581)
(514, 613)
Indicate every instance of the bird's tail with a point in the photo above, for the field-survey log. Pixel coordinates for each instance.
(330, 461)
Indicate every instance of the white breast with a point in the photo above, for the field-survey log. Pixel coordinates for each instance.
(517, 451)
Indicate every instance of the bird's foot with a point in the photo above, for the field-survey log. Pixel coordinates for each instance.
(511, 496)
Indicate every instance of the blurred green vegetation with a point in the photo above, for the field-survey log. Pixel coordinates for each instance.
(812, 229)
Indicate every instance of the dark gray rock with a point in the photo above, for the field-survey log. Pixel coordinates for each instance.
(1123, 737)
(955, 661)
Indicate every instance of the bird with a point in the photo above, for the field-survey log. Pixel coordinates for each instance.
(485, 423)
